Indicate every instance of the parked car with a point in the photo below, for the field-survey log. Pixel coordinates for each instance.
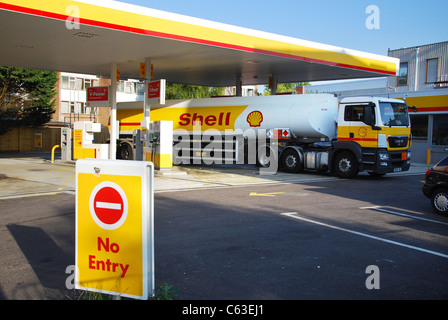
(436, 187)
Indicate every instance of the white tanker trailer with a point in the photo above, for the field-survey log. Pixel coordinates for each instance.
(295, 132)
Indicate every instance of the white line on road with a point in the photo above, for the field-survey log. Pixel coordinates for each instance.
(29, 195)
(377, 208)
(295, 216)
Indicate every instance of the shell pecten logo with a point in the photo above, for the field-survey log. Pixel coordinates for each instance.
(255, 118)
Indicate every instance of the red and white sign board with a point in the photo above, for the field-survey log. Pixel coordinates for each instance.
(156, 92)
(98, 97)
(114, 227)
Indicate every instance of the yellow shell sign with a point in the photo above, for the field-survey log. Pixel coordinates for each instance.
(255, 118)
(218, 118)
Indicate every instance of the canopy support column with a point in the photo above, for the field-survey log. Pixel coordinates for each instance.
(239, 86)
(113, 112)
(146, 106)
(273, 82)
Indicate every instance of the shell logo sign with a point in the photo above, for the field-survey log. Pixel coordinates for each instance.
(218, 118)
(255, 119)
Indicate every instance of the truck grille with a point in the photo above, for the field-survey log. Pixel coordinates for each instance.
(398, 142)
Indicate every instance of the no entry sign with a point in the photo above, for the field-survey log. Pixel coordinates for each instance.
(114, 227)
(108, 205)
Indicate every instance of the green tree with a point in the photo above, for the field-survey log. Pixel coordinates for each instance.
(185, 91)
(26, 97)
(285, 87)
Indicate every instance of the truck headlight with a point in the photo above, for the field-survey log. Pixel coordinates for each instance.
(409, 154)
(384, 156)
(383, 164)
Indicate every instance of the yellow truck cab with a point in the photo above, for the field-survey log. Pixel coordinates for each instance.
(377, 132)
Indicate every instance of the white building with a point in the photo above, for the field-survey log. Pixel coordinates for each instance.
(73, 97)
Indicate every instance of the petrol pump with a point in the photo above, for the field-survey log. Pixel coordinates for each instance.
(158, 146)
(66, 144)
(83, 146)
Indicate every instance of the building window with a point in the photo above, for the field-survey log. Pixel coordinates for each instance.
(402, 79)
(419, 127)
(440, 130)
(64, 82)
(432, 66)
(140, 88)
(92, 111)
(65, 107)
(78, 83)
(129, 87)
(77, 108)
(90, 83)
(68, 82)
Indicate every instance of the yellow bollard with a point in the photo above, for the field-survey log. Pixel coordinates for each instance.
(428, 156)
(52, 153)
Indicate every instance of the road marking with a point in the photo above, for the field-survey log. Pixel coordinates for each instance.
(295, 216)
(29, 195)
(378, 208)
(272, 194)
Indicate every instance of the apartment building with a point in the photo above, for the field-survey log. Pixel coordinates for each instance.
(72, 97)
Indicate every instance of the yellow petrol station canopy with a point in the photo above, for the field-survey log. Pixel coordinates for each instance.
(88, 36)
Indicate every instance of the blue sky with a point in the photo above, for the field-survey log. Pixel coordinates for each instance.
(341, 23)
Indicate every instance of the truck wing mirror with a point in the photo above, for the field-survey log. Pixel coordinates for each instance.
(369, 118)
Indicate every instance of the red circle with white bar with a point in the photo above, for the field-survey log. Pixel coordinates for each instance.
(108, 205)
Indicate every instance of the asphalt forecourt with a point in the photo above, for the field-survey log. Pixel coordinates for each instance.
(340, 239)
(34, 174)
(366, 238)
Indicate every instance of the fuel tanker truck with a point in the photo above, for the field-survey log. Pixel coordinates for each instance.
(316, 132)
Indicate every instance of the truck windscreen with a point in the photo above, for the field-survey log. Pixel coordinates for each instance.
(394, 114)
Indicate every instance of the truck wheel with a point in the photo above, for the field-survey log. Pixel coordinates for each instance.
(125, 152)
(346, 165)
(291, 161)
(439, 201)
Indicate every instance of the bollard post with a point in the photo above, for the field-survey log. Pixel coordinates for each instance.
(52, 153)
